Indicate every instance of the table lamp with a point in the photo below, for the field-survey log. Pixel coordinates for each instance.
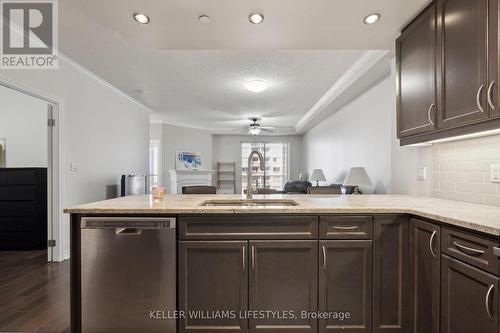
(357, 176)
(318, 176)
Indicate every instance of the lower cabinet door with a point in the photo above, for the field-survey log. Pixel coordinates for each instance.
(345, 286)
(283, 293)
(391, 274)
(425, 257)
(468, 298)
(213, 286)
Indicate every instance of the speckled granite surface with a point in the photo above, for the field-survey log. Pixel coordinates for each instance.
(480, 218)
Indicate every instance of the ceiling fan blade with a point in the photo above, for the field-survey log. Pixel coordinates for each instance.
(267, 129)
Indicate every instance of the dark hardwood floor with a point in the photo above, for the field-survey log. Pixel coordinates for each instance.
(34, 295)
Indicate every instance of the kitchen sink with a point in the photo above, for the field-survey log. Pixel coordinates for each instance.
(250, 203)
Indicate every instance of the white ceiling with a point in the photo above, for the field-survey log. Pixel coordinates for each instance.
(193, 74)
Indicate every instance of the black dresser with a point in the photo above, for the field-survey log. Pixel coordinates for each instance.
(23, 208)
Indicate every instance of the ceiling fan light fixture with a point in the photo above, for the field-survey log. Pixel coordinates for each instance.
(254, 130)
(256, 86)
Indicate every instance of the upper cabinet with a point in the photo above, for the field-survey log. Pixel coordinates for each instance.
(416, 79)
(447, 63)
(493, 92)
(463, 26)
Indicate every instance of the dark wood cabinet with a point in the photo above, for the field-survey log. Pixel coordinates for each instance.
(462, 27)
(416, 51)
(493, 92)
(345, 285)
(469, 298)
(461, 80)
(23, 209)
(425, 257)
(283, 277)
(213, 276)
(390, 274)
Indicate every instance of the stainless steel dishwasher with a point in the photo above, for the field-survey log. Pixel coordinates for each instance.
(128, 272)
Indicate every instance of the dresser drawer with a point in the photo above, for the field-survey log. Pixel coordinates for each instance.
(248, 227)
(470, 248)
(346, 227)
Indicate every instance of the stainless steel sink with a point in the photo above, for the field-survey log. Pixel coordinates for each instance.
(250, 203)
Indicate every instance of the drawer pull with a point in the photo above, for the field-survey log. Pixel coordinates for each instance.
(431, 244)
(340, 227)
(488, 302)
(472, 251)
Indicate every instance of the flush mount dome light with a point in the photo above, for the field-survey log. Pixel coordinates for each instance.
(204, 19)
(141, 18)
(256, 18)
(372, 18)
(256, 86)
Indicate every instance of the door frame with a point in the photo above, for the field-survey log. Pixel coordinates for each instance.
(54, 163)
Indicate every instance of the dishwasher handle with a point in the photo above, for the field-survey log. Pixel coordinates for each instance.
(126, 225)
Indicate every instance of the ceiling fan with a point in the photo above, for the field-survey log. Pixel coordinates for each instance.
(254, 128)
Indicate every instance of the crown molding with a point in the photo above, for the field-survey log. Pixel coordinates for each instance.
(364, 64)
(88, 73)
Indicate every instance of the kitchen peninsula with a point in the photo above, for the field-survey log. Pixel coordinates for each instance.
(391, 262)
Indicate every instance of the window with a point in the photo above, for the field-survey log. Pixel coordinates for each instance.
(154, 164)
(276, 171)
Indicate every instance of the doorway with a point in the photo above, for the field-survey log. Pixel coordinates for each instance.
(28, 181)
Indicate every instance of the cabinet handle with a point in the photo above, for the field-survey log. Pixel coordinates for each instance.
(490, 98)
(487, 302)
(323, 248)
(340, 227)
(253, 257)
(478, 98)
(431, 244)
(243, 261)
(463, 248)
(429, 114)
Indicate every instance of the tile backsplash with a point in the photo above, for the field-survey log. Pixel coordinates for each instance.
(461, 170)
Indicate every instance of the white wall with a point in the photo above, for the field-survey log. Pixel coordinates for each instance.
(227, 148)
(23, 123)
(177, 139)
(103, 131)
(363, 133)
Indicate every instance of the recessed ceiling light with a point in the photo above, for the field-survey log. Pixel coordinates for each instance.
(372, 18)
(204, 19)
(141, 18)
(256, 86)
(256, 18)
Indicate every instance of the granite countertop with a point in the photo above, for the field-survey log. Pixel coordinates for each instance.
(480, 218)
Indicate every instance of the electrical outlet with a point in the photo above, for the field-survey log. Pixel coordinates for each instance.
(74, 167)
(422, 173)
(495, 173)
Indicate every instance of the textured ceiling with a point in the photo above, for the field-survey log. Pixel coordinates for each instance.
(193, 74)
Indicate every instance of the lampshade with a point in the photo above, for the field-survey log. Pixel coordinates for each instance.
(317, 175)
(357, 176)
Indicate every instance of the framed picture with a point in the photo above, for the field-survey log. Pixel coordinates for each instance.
(188, 161)
(3, 152)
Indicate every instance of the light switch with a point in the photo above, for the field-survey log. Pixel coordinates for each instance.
(495, 173)
(74, 167)
(422, 173)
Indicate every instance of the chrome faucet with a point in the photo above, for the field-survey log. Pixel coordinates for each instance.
(249, 171)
